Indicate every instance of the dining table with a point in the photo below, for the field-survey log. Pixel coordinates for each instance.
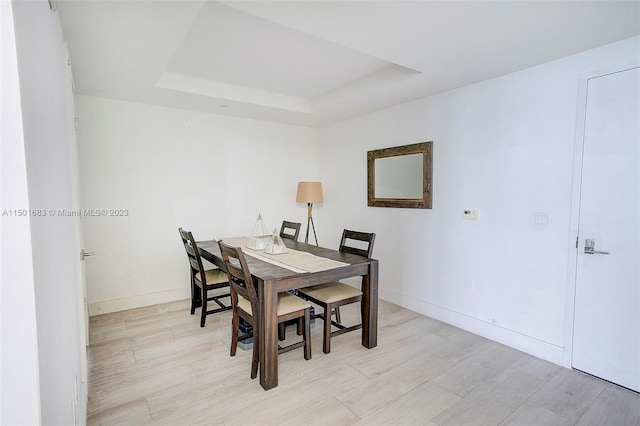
(272, 278)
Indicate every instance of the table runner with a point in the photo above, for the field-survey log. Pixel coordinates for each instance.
(293, 260)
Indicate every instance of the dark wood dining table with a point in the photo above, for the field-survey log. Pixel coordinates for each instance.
(272, 279)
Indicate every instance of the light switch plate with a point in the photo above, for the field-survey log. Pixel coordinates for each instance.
(471, 215)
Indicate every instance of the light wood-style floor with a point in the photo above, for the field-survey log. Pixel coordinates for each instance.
(155, 365)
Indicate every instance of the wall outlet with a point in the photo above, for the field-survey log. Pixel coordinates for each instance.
(468, 283)
(541, 219)
(471, 215)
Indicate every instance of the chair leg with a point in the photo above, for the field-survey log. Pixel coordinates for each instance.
(326, 340)
(193, 295)
(235, 330)
(300, 327)
(256, 356)
(282, 331)
(203, 315)
(307, 333)
(337, 311)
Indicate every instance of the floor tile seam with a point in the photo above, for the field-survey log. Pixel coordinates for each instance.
(99, 342)
(432, 420)
(411, 390)
(485, 385)
(505, 418)
(472, 397)
(611, 385)
(237, 412)
(386, 377)
(115, 407)
(128, 374)
(135, 358)
(592, 401)
(168, 352)
(507, 393)
(446, 369)
(406, 395)
(560, 371)
(103, 367)
(367, 378)
(467, 356)
(492, 384)
(491, 380)
(567, 372)
(335, 397)
(376, 374)
(146, 402)
(309, 408)
(554, 412)
(127, 335)
(389, 403)
(490, 345)
(193, 370)
(443, 386)
(447, 389)
(150, 393)
(160, 358)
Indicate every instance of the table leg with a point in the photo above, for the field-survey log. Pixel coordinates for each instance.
(268, 326)
(370, 307)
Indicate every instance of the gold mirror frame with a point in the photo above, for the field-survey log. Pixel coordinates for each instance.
(425, 202)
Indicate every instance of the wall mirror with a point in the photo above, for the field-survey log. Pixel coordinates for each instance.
(400, 176)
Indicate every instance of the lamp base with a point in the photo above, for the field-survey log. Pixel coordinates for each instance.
(310, 221)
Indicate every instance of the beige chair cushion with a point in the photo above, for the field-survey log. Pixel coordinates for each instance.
(331, 292)
(214, 276)
(286, 304)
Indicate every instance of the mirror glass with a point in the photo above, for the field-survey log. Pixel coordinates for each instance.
(400, 176)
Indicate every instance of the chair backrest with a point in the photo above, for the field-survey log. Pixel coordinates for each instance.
(364, 245)
(290, 230)
(192, 253)
(240, 279)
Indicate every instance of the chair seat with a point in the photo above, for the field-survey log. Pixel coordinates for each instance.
(331, 292)
(214, 276)
(286, 304)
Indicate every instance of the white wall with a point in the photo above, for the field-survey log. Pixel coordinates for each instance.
(503, 146)
(19, 372)
(170, 168)
(42, 74)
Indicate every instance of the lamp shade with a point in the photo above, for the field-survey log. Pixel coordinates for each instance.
(309, 192)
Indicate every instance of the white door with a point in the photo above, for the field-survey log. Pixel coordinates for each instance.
(83, 317)
(606, 341)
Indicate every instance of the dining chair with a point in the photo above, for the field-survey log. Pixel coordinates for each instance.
(330, 296)
(244, 300)
(203, 280)
(290, 230)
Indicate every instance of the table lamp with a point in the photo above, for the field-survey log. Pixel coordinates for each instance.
(309, 192)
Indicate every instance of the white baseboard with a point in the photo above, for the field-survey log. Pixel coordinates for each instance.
(519, 341)
(138, 301)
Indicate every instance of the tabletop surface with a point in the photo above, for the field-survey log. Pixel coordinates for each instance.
(261, 268)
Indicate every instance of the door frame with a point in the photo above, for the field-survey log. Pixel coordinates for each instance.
(573, 244)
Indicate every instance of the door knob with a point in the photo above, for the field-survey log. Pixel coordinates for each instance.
(590, 247)
(84, 254)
